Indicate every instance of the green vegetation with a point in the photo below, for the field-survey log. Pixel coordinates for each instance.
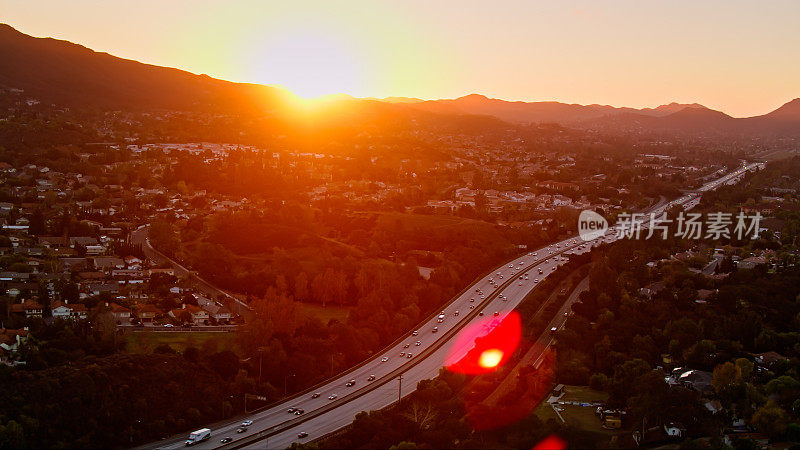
(324, 313)
(179, 341)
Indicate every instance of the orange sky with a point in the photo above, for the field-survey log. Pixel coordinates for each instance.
(741, 57)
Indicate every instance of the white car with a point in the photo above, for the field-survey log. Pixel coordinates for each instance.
(384, 359)
(247, 423)
(332, 396)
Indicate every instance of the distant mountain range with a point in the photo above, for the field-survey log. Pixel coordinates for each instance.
(60, 72)
(689, 118)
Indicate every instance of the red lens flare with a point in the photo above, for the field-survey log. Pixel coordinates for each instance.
(551, 442)
(485, 345)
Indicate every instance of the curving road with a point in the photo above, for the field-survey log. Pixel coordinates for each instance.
(139, 236)
(499, 291)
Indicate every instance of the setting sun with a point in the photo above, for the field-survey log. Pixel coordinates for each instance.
(310, 64)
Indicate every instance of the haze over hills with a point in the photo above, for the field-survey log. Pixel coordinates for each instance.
(63, 73)
(684, 118)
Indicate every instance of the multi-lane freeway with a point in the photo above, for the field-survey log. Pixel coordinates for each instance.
(419, 355)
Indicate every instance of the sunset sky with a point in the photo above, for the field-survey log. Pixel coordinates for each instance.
(741, 57)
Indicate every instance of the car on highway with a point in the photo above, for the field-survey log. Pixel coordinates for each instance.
(353, 382)
(225, 440)
(315, 395)
(291, 410)
(402, 354)
(415, 333)
(406, 345)
(418, 343)
(247, 423)
(456, 313)
(496, 313)
(470, 300)
(299, 411)
(332, 397)
(371, 378)
(241, 429)
(409, 355)
(480, 313)
(384, 359)
(435, 330)
(302, 434)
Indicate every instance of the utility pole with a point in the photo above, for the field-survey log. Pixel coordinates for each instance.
(399, 389)
(260, 358)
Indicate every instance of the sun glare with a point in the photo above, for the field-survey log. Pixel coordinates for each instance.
(310, 64)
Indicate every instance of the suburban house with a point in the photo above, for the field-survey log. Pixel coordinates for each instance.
(768, 359)
(106, 263)
(29, 308)
(168, 271)
(133, 262)
(10, 340)
(66, 311)
(148, 312)
(121, 313)
(698, 380)
(218, 312)
(189, 313)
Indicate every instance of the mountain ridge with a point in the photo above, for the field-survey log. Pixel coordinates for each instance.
(62, 72)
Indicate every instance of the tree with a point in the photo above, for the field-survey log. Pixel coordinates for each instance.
(770, 419)
(12, 436)
(163, 237)
(727, 382)
(225, 363)
(301, 287)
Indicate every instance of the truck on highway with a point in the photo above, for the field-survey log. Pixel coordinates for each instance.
(195, 437)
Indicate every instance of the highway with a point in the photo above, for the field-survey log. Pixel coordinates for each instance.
(499, 291)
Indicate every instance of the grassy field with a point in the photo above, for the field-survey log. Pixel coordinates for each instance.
(325, 314)
(581, 417)
(145, 342)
